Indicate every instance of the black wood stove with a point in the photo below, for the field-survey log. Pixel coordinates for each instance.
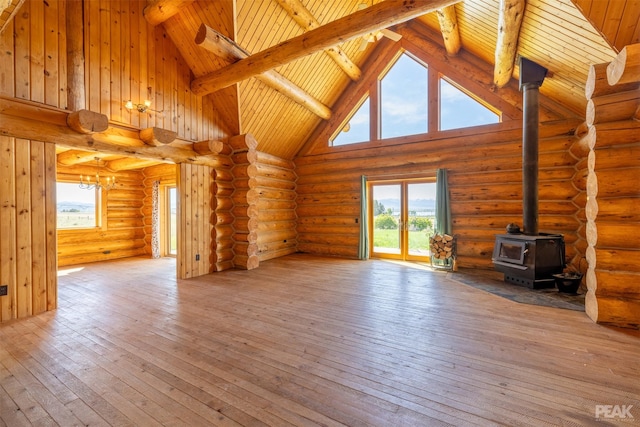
(529, 258)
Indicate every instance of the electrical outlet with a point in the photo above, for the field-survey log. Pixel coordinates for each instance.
(4, 290)
(197, 257)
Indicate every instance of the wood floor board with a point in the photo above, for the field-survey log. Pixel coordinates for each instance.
(304, 341)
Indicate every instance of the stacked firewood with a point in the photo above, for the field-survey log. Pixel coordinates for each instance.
(442, 246)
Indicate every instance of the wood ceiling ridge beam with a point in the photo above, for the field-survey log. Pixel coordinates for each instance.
(449, 27)
(509, 24)
(228, 50)
(305, 19)
(381, 15)
(158, 11)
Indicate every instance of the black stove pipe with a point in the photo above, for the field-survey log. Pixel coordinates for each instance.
(531, 77)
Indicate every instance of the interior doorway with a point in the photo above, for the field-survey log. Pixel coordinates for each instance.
(168, 220)
(402, 216)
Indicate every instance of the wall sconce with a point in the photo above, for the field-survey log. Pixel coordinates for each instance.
(142, 108)
(86, 184)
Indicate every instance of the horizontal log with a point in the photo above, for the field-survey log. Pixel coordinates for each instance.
(245, 224)
(272, 254)
(618, 260)
(95, 247)
(87, 258)
(275, 172)
(158, 11)
(614, 235)
(620, 157)
(613, 107)
(625, 209)
(373, 18)
(597, 83)
(328, 250)
(212, 146)
(244, 142)
(273, 204)
(613, 310)
(87, 122)
(621, 182)
(506, 207)
(244, 157)
(266, 182)
(246, 262)
(311, 229)
(625, 67)
(270, 159)
(323, 210)
(276, 236)
(276, 246)
(156, 137)
(267, 226)
(282, 215)
(265, 193)
(223, 265)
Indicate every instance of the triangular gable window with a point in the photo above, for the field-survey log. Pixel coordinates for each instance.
(458, 109)
(357, 129)
(403, 99)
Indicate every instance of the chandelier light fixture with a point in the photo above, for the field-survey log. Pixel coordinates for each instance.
(87, 184)
(142, 108)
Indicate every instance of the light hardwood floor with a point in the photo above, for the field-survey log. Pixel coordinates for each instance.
(305, 340)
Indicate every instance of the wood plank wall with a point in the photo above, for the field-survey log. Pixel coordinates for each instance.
(485, 186)
(194, 220)
(122, 230)
(276, 204)
(28, 233)
(166, 176)
(122, 62)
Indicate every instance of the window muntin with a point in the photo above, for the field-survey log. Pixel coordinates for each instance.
(458, 109)
(77, 207)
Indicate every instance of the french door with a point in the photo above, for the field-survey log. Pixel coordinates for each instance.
(402, 217)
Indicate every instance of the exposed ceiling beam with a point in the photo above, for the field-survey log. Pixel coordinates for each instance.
(449, 27)
(308, 22)
(381, 15)
(74, 157)
(158, 11)
(509, 23)
(229, 51)
(29, 120)
(129, 163)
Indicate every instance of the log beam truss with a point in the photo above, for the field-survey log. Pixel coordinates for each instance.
(305, 19)
(449, 27)
(374, 18)
(509, 23)
(228, 50)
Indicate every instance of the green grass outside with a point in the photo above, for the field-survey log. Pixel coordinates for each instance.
(76, 220)
(418, 240)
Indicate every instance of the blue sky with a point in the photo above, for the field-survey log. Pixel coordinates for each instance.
(404, 99)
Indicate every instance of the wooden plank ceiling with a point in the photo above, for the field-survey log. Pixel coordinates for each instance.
(554, 33)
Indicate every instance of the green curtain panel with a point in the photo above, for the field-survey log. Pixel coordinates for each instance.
(363, 247)
(443, 208)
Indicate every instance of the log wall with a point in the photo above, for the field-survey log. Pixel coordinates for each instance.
(485, 187)
(613, 200)
(276, 190)
(121, 233)
(28, 228)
